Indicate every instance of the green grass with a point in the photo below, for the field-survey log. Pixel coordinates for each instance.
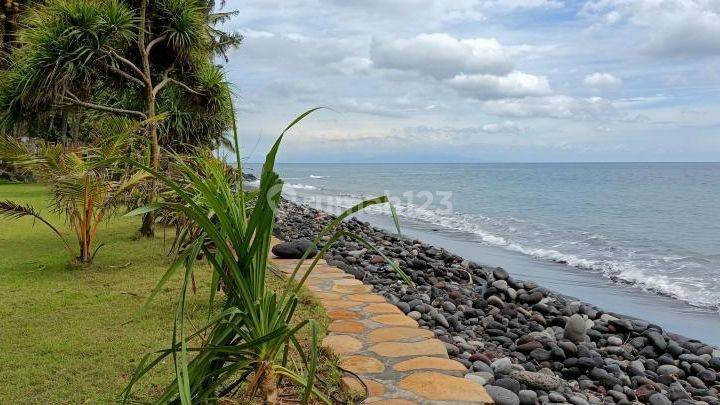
(65, 333)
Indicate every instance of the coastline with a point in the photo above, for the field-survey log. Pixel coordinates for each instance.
(626, 226)
(511, 334)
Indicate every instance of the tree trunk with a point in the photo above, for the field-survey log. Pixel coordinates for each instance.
(269, 388)
(147, 228)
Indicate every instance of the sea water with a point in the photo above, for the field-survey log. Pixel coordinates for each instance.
(641, 239)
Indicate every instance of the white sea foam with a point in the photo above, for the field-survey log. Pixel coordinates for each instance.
(644, 275)
(299, 186)
(315, 176)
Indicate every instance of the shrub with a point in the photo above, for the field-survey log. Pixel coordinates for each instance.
(244, 348)
(84, 182)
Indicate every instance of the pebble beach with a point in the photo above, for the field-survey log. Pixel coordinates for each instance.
(524, 343)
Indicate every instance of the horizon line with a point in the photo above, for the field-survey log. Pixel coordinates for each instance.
(493, 162)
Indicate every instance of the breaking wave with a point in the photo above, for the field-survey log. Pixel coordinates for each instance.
(587, 251)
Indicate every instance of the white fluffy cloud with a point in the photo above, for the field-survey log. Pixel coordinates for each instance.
(477, 68)
(441, 55)
(670, 27)
(598, 80)
(555, 106)
(513, 85)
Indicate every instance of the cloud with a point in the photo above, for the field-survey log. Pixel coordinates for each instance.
(565, 108)
(286, 88)
(513, 85)
(522, 4)
(526, 69)
(441, 55)
(669, 28)
(598, 80)
(366, 107)
(445, 135)
(447, 10)
(555, 106)
(501, 127)
(352, 65)
(428, 10)
(293, 49)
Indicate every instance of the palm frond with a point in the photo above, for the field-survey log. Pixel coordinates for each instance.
(13, 210)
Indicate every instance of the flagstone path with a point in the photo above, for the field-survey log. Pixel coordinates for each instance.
(398, 362)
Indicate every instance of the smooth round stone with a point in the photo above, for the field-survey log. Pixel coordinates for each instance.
(527, 397)
(614, 341)
(441, 320)
(540, 355)
(500, 274)
(502, 365)
(619, 396)
(403, 306)
(482, 366)
(659, 399)
(576, 400)
(294, 249)
(575, 329)
(502, 396)
(586, 384)
(509, 383)
(477, 377)
(696, 382)
(415, 315)
(657, 340)
(708, 376)
(495, 301)
(556, 397)
(534, 298)
(676, 392)
(501, 285)
(670, 370)
(529, 346)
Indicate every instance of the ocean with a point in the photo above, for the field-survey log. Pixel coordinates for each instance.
(642, 239)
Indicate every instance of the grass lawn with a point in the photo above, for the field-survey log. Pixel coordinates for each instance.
(67, 335)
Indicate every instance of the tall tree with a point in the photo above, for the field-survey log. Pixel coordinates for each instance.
(152, 61)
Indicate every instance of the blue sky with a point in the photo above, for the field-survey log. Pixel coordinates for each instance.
(480, 80)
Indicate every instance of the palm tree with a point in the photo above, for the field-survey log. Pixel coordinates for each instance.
(84, 184)
(151, 61)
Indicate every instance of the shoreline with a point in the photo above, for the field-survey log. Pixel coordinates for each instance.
(513, 334)
(625, 225)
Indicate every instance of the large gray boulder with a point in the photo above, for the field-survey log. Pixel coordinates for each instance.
(293, 249)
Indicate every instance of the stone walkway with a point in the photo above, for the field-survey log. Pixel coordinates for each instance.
(398, 362)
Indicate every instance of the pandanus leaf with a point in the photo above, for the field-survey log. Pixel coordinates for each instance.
(235, 240)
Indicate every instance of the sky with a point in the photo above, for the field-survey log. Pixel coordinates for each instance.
(479, 80)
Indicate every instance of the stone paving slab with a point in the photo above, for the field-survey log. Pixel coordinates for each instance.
(398, 362)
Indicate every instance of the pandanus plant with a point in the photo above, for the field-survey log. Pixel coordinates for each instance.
(243, 349)
(85, 184)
